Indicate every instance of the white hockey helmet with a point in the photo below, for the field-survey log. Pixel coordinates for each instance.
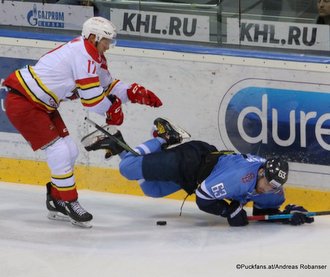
(101, 28)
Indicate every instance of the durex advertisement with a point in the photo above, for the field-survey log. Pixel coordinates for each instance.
(278, 108)
(282, 118)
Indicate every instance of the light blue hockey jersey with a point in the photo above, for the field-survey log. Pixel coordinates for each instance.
(234, 177)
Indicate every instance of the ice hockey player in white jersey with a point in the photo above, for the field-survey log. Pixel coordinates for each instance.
(77, 69)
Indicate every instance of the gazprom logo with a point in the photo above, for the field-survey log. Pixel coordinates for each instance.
(279, 121)
(43, 18)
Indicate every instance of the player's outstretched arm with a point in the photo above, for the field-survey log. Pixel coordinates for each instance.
(298, 215)
(292, 214)
(139, 94)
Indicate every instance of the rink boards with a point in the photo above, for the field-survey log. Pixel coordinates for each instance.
(264, 106)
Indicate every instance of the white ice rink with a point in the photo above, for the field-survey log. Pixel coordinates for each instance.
(125, 240)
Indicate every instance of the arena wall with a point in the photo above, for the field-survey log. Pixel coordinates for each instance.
(264, 105)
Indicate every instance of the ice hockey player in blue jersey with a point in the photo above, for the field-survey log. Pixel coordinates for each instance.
(223, 181)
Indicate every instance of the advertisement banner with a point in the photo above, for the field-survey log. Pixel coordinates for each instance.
(267, 108)
(290, 119)
(5, 125)
(289, 35)
(40, 15)
(8, 66)
(161, 25)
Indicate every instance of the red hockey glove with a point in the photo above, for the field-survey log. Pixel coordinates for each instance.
(115, 114)
(139, 94)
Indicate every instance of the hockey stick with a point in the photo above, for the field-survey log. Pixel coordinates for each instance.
(284, 216)
(116, 140)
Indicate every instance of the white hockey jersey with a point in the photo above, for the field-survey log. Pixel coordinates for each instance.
(73, 67)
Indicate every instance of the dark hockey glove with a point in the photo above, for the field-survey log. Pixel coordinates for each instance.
(115, 115)
(236, 214)
(298, 217)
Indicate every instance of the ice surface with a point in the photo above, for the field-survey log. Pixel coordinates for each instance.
(125, 240)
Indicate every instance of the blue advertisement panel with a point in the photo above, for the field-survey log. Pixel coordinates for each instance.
(8, 65)
(44, 15)
(289, 122)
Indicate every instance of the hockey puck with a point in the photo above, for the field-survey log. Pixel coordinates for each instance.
(161, 222)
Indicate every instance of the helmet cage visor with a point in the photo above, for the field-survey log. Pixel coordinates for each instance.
(108, 42)
(101, 28)
(275, 186)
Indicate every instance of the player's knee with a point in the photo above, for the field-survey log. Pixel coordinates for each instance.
(125, 169)
(58, 157)
(153, 194)
(128, 168)
(151, 191)
(73, 149)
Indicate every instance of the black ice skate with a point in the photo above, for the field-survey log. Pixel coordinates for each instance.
(170, 132)
(56, 208)
(97, 140)
(78, 215)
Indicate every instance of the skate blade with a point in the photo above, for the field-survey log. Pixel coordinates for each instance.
(58, 216)
(95, 136)
(86, 224)
(183, 133)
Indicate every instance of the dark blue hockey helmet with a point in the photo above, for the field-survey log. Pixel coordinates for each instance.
(276, 171)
